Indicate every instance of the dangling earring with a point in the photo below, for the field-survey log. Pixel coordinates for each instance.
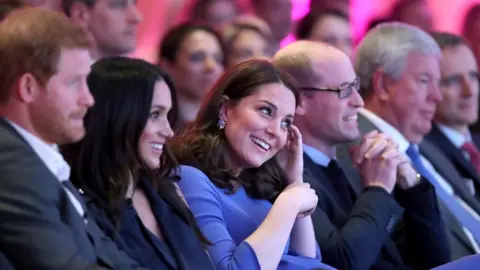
(221, 123)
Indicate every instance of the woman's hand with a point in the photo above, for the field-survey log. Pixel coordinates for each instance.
(303, 196)
(291, 156)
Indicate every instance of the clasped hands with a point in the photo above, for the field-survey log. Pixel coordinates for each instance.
(382, 164)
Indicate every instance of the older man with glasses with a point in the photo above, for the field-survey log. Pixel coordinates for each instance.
(378, 213)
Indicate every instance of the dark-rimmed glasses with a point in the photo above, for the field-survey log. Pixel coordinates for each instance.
(343, 90)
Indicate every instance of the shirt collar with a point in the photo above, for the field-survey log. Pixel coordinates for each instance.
(48, 153)
(454, 136)
(386, 128)
(317, 156)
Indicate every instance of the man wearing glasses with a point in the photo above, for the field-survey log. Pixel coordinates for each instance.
(378, 213)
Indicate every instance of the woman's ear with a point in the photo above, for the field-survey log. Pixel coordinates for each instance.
(223, 110)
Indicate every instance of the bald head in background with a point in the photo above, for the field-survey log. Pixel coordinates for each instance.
(320, 71)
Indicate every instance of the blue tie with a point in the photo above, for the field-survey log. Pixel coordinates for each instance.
(463, 216)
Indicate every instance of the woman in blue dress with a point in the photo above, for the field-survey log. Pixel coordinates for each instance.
(256, 214)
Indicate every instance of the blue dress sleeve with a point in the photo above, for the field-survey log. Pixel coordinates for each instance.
(205, 202)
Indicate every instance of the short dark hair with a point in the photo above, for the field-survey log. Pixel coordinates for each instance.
(203, 145)
(472, 15)
(447, 40)
(173, 39)
(67, 4)
(307, 23)
(8, 5)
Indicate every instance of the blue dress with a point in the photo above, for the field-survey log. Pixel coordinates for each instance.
(228, 219)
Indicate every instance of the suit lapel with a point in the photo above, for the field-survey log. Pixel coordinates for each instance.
(437, 137)
(449, 173)
(187, 253)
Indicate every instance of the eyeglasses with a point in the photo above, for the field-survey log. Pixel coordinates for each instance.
(343, 91)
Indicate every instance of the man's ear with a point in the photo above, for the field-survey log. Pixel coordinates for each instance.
(28, 88)
(224, 106)
(80, 14)
(303, 103)
(380, 82)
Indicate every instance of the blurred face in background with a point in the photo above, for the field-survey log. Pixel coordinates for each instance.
(335, 31)
(219, 13)
(418, 14)
(278, 15)
(459, 87)
(112, 25)
(248, 44)
(197, 65)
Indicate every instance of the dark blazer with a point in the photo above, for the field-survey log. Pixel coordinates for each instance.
(5, 264)
(40, 228)
(455, 155)
(458, 241)
(181, 249)
(467, 263)
(368, 235)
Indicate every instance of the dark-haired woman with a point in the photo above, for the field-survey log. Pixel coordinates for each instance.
(193, 55)
(255, 214)
(124, 168)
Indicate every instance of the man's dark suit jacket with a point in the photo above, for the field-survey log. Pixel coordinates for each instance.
(368, 235)
(460, 246)
(5, 264)
(464, 167)
(40, 227)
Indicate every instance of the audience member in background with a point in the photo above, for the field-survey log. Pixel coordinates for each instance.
(215, 13)
(194, 56)
(43, 99)
(112, 25)
(471, 31)
(278, 15)
(359, 208)
(9, 5)
(329, 26)
(256, 214)
(125, 169)
(244, 42)
(319, 5)
(399, 70)
(458, 109)
(413, 12)
(55, 5)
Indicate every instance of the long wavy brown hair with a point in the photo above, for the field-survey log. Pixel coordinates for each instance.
(204, 145)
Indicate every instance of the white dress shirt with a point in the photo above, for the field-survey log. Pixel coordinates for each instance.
(53, 160)
(403, 145)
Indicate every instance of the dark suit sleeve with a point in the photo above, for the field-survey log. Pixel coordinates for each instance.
(356, 243)
(31, 225)
(425, 244)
